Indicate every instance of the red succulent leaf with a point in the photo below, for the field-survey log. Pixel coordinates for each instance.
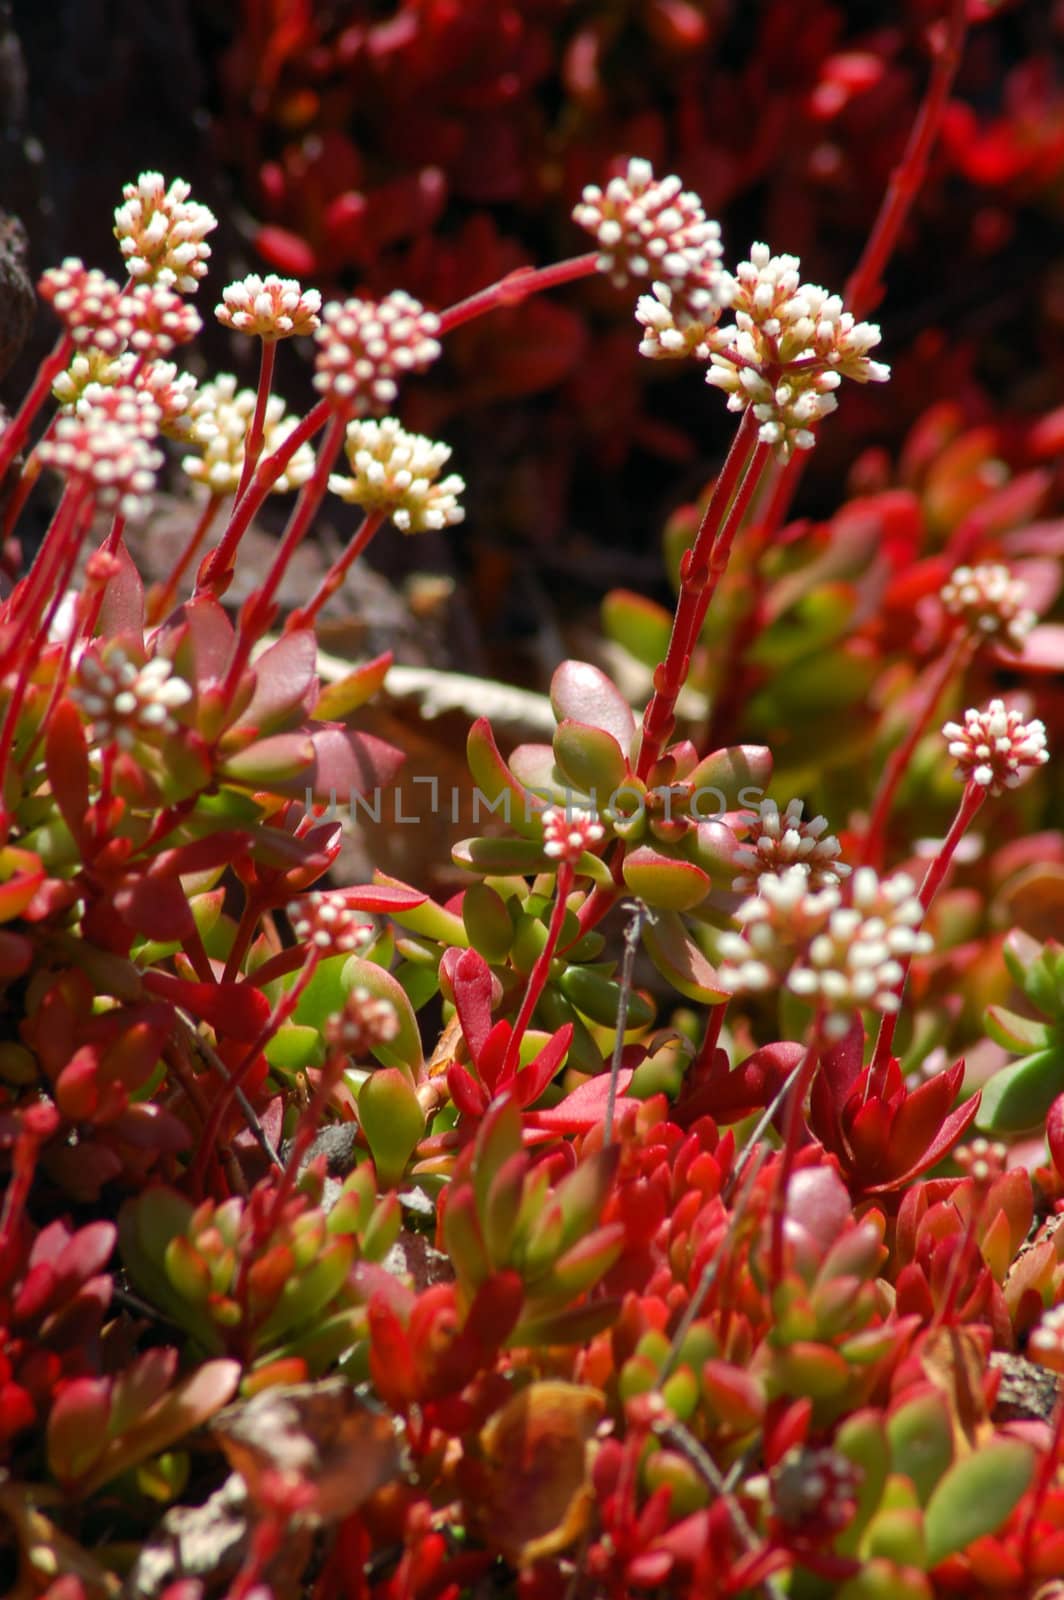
(66, 756)
(348, 763)
(470, 978)
(383, 898)
(235, 1010)
(530, 1081)
(122, 610)
(156, 907)
(286, 683)
(583, 1109)
(469, 1097)
(950, 1133)
(1055, 1133)
(584, 693)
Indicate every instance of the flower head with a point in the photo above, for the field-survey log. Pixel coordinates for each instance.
(366, 1021)
(162, 233)
(326, 921)
(649, 227)
(777, 840)
(105, 446)
(128, 703)
(365, 346)
(815, 1491)
(398, 473)
(989, 602)
(220, 416)
(787, 350)
(842, 957)
(271, 308)
(90, 305)
(995, 748)
(676, 324)
(88, 366)
(568, 833)
(161, 320)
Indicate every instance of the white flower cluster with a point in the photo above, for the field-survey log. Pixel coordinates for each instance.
(220, 417)
(649, 227)
(788, 349)
(995, 748)
(365, 1021)
(270, 308)
(327, 922)
(106, 446)
(843, 957)
(162, 233)
(91, 306)
(160, 320)
(398, 473)
(568, 833)
(172, 391)
(366, 346)
(990, 602)
(778, 840)
(127, 703)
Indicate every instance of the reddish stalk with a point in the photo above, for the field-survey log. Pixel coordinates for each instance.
(517, 286)
(161, 598)
(306, 615)
(864, 285)
(540, 972)
(39, 390)
(953, 659)
(257, 613)
(971, 800)
(256, 434)
(215, 574)
(700, 573)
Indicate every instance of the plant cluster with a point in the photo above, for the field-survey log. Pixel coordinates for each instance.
(628, 1223)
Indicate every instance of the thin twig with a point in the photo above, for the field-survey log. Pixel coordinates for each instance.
(683, 1440)
(218, 1066)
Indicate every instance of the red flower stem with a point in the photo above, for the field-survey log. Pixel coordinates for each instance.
(258, 611)
(215, 574)
(23, 605)
(280, 1014)
(278, 966)
(700, 571)
(952, 660)
(161, 599)
(864, 288)
(64, 537)
(539, 974)
(306, 615)
(711, 1038)
(39, 390)
(1047, 1471)
(256, 434)
(245, 932)
(791, 1133)
(971, 800)
(517, 286)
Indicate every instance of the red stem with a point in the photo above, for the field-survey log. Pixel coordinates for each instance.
(864, 288)
(873, 851)
(971, 800)
(258, 611)
(517, 286)
(40, 388)
(539, 974)
(256, 434)
(215, 574)
(305, 616)
(700, 573)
